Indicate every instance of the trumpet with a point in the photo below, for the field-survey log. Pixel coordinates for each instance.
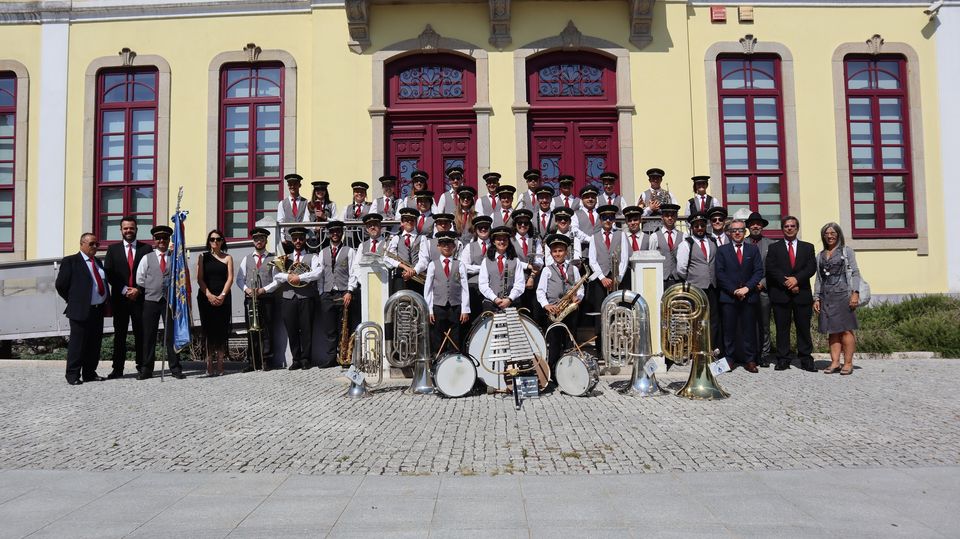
(566, 305)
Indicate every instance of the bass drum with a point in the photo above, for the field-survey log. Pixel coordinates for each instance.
(478, 339)
(455, 375)
(577, 374)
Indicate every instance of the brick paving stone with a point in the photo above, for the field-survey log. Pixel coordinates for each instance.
(899, 412)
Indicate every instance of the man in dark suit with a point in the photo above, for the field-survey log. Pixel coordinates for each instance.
(121, 263)
(82, 283)
(739, 270)
(791, 264)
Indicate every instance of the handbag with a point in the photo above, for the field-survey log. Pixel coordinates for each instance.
(864, 288)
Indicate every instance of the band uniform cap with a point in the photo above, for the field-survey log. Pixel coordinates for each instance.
(756, 217)
(387, 179)
(333, 225)
(607, 209)
(372, 217)
(320, 184)
(669, 207)
(631, 211)
(293, 177)
(554, 239)
(717, 210)
(655, 172)
(697, 216)
(448, 235)
(522, 213)
(457, 169)
(504, 189)
(695, 179)
(302, 231)
(161, 229)
(481, 220)
(437, 217)
(563, 212)
(258, 231)
(545, 190)
(467, 190)
(419, 175)
(501, 231)
(360, 185)
(409, 212)
(492, 177)
(531, 174)
(565, 179)
(608, 176)
(589, 190)
(423, 194)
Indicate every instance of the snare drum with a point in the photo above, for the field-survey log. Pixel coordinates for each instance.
(577, 374)
(478, 348)
(455, 375)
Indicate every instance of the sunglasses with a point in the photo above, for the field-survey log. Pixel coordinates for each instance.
(737, 229)
(93, 243)
(216, 239)
(716, 219)
(608, 217)
(161, 238)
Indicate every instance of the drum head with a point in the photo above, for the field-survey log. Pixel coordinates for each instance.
(573, 375)
(455, 375)
(479, 335)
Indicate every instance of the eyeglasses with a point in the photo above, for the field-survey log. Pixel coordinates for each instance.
(608, 217)
(93, 243)
(739, 229)
(716, 219)
(163, 238)
(216, 239)
(523, 223)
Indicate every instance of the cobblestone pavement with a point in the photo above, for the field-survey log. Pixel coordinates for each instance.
(890, 413)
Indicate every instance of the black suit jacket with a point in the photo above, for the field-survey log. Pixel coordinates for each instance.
(731, 274)
(118, 273)
(778, 269)
(75, 285)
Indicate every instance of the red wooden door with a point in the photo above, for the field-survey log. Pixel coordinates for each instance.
(584, 148)
(432, 147)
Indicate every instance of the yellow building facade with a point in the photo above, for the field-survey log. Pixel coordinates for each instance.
(336, 117)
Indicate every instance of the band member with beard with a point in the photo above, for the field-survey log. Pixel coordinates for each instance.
(120, 263)
(337, 284)
(297, 302)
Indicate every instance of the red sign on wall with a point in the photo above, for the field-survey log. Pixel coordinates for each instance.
(718, 14)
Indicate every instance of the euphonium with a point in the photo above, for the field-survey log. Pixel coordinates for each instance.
(367, 357)
(284, 265)
(407, 342)
(685, 335)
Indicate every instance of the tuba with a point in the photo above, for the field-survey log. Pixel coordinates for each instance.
(685, 335)
(285, 265)
(367, 357)
(405, 323)
(625, 319)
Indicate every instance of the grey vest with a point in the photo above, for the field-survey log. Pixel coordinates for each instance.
(531, 249)
(351, 212)
(387, 214)
(446, 291)
(700, 270)
(157, 283)
(302, 292)
(336, 273)
(496, 279)
(327, 211)
(584, 219)
(368, 243)
(556, 285)
(465, 230)
(643, 241)
(449, 203)
(427, 229)
(250, 271)
(411, 254)
(498, 218)
(476, 258)
(604, 255)
(670, 257)
(693, 205)
(615, 200)
(301, 210)
(538, 226)
(574, 202)
(486, 207)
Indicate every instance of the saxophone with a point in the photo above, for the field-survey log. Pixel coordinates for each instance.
(566, 305)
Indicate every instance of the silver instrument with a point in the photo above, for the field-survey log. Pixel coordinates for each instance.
(367, 358)
(578, 372)
(406, 322)
(626, 337)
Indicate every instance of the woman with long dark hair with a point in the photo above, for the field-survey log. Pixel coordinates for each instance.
(214, 279)
(501, 273)
(836, 297)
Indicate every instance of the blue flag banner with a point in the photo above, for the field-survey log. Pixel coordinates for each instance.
(178, 297)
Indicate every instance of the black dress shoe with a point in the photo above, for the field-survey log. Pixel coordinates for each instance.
(248, 368)
(144, 376)
(95, 378)
(75, 382)
(307, 367)
(751, 367)
(781, 367)
(295, 367)
(179, 375)
(808, 368)
(114, 374)
(732, 364)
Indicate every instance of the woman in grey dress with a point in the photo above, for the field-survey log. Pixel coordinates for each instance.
(836, 297)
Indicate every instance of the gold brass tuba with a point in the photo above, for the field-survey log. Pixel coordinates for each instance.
(406, 322)
(367, 357)
(285, 265)
(685, 335)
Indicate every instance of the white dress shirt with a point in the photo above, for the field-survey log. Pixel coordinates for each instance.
(516, 288)
(545, 277)
(455, 265)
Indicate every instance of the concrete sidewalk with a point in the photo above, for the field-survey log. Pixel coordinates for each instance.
(860, 502)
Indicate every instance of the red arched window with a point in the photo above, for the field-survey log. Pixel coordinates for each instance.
(878, 129)
(431, 124)
(8, 146)
(126, 151)
(573, 117)
(751, 136)
(251, 138)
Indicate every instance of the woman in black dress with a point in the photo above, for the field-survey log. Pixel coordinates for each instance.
(214, 280)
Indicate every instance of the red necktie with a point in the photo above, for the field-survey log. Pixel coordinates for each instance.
(406, 240)
(464, 225)
(739, 255)
(163, 263)
(130, 263)
(566, 201)
(703, 203)
(636, 246)
(500, 263)
(670, 239)
(543, 223)
(563, 273)
(259, 261)
(592, 221)
(484, 251)
(294, 207)
(793, 254)
(373, 248)
(524, 240)
(334, 255)
(96, 276)
(386, 204)
(493, 202)
(606, 240)
(703, 247)
(506, 216)
(419, 226)
(446, 267)
(356, 212)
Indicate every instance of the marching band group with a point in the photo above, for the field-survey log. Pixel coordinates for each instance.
(466, 253)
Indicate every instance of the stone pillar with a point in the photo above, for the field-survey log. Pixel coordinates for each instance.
(647, 270)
